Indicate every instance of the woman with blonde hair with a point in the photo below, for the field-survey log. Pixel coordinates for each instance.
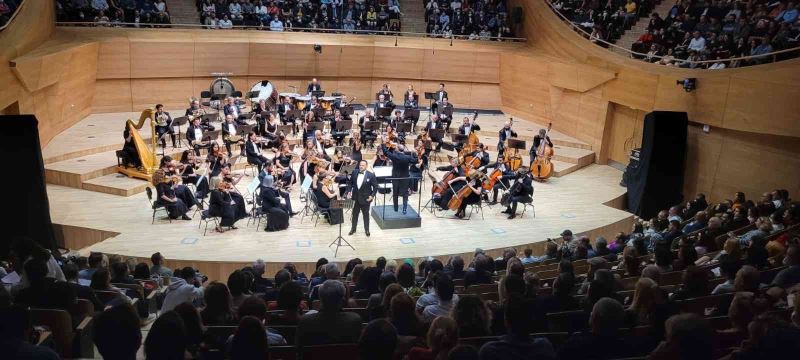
(644, 300)
(442, 336)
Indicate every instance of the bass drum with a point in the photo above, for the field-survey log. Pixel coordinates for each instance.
(222, 86)
(266, 92)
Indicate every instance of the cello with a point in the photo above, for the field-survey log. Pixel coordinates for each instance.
(463, 193)
(542, 167)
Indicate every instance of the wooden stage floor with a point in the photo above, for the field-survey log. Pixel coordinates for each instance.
(576, 201)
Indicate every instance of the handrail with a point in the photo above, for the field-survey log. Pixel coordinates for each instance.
(14, 15)
(291, 29)
(579, 29)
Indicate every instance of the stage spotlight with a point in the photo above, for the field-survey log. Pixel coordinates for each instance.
(688, 84)
(318, 48)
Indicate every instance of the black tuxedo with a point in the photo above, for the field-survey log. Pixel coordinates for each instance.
(439, 125)
(254, 156)
(473, 127)
(445, 114)
(441, 95)
(226, 132)
(401, 162)
(285, 119)
(191, 137)
(360, 196)
(537, 141)
(521, 192)
(503, 136)
(312, 87)
(205, 123)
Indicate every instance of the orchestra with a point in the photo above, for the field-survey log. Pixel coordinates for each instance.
(469, 178)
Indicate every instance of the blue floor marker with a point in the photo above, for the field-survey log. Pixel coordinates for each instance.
(189, 241)
(303, 243)
(407, 241)
(498, 231)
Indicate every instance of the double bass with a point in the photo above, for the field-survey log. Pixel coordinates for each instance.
(511, 159)
(542, 167)
(472, 142)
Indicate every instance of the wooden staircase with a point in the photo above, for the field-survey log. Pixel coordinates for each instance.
(413, 17)
(183, 12)
(630, 36)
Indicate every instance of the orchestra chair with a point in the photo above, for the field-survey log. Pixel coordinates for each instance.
(313, 207)
(156, 206)
(69, 342)
(525, 206)
(205, 217)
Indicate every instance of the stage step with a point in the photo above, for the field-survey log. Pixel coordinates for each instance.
(116, 184)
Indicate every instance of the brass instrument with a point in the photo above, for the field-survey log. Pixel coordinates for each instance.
(233, 138)
(146, 155)
(161, 119)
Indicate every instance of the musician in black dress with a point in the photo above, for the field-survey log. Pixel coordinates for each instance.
(386, 92)
(277, 213)
(355, 146)
(194, 133)
(165, 195)
(253, 152)
(362, 189)
(504, 134)
(473, 197)
(537, 141)
(418, 167)
(381, 159)
(271, 133)
(222, 205)
(454, 186)
(170, 169)
(130, 156)
(283, 162)
(322, 185)
(164, 126)
(401, 162)
(216, 159)
(520, 191)
(239, 210)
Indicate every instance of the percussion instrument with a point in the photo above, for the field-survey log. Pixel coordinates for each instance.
(328, 101)
(222, 85)
(266, 92)
(291, 96)
(301, 101)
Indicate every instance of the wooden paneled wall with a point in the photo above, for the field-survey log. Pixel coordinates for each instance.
(138, 68)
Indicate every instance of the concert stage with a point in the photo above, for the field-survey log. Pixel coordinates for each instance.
(387, 218)
(94, 209)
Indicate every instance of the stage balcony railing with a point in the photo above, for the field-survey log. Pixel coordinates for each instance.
(289, 30)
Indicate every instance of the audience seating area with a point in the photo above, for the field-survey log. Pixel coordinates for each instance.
(474, 20)
(694, 30)
(697, 281)
(136, 13)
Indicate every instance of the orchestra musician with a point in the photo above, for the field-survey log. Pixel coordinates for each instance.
(231, 109)
(474, 196)
(166, 196)
(537, 141)
(221, 204)
(277, 213)
(338, 136)
(410, 91)
(441, 94)
(195, 111)
(286, 118)
(453, 186)
(504, 134)
(164, 126)
(520, 191)
(320, 144)
(356, 145)
(410, 102)
(322, 185)
(419, 166)
(386, 92)
(225, 175)
(314, 85)
(397, 119)
(229, 134)
(269, 172)
(381, 159)
(216, 159)
(504, 182)
(362, 189)
(382, 104)
(308, 118)
(401, 162)
(368, 136)
(314, 104)
(271, 133)
(481, 153)
(130, 156)
(194, 133)
(253, 152)
(468, 127)
(435, 124)
(445, 112)
(192, 173)
(283, 163)
(170, 170)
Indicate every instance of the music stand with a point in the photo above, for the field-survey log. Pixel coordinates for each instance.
(285, 128)
(344, 125)
(319, 111)
(436, 135)
(244, 129)
(293, 114)
(318, 94)
(372, 125)
(347, 110)
(458, 138)
(411, 114)
(430, 96)
(384, 112)
(315, 125)
(516, 144)
(403, 127)
(344, 204)
(208, 118)
(178, 122)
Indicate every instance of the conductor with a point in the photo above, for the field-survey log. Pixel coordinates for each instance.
(401, 162)
(363, 187)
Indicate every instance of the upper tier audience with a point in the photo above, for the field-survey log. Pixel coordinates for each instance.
(474, 20)
(695, 30)
(646, 294)
(140, 13)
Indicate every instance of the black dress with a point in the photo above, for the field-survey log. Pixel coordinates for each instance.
(220, 205)
(131, 155)
(335, 216)
(288, 173)
(356, 153)
(277, 215)
(175, 209)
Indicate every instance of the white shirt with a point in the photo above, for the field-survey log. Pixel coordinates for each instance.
(320, 148)
(433, 124)
(198, 134)
(467, 129)
(225, 24)
(255, 148)
(360, 180)
(697, 44)
(276, 25)
(232, 129)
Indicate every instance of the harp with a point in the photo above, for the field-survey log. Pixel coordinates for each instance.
(147, 154)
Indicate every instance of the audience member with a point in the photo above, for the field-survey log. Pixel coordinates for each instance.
(329, 325)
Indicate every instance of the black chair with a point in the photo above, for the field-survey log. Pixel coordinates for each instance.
(205, 217)
(155, 205)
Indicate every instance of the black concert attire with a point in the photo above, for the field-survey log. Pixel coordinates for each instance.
(130, 155)
(335, 216)
(387, 94)
(470, 199)
(440, 95)
(355, 154)
(312, 87)
(505, 180)
(182, 191)
(285, 161)
(233, 110)
(320, 146)
(196, 134)
(435, 125)
(164, 126)
(400, 167)
(383, 105)
(229, 129)
(272, 135)
(412, 104)
(416, 170)
(286, 119)
(522, 191)
(367, 136)
(483, 155)
(338, 136)
(175, 209)
(448, 194)
(397, 120)
(360, 192)
(254, 155)
(220, 205)
(465, 130)
(381, 161)
(503, 135)
(204, 122)
(445, 113)
(537, 141)
(277, 213)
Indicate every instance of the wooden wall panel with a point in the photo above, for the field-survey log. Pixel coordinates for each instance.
(112, 95)
(633, 89)
(300, 61)
(702, 161)
(267, 59)
(487, 68)
(485, 96)
(224, 57)
(389, 62)
(327, 63)
(448, 64)
(356, 61)
(161, 59)
(170, 92)
(763, 107)
(707, 106)
(625, 133)
(114, 59)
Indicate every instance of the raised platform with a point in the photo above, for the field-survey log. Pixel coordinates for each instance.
(387, 218)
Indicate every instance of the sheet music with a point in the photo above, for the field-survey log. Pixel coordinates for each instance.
(382, 171)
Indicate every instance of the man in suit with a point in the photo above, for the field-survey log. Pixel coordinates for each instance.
(410, 102)
(401, 162)
(445, 111)
(196, 111)
(521, 191)
(503, 135)
(363, 187)
(232, 109)
(253, 153)
(195, 136)
(434, 124)
(313, 86)
(441, 94)
(537, 141)
(311, 106)
(330, 325)
(229, 131)
(319, 144)
(382, 103)
(468, 127)
(368, 136)
(164, 126)
(283, 112)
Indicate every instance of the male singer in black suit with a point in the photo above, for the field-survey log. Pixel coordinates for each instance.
(313, 86)
(521, 191)
(253, 152)
(401, 162)
(363, 187)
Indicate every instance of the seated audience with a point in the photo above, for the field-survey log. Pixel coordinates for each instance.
(330, 325)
